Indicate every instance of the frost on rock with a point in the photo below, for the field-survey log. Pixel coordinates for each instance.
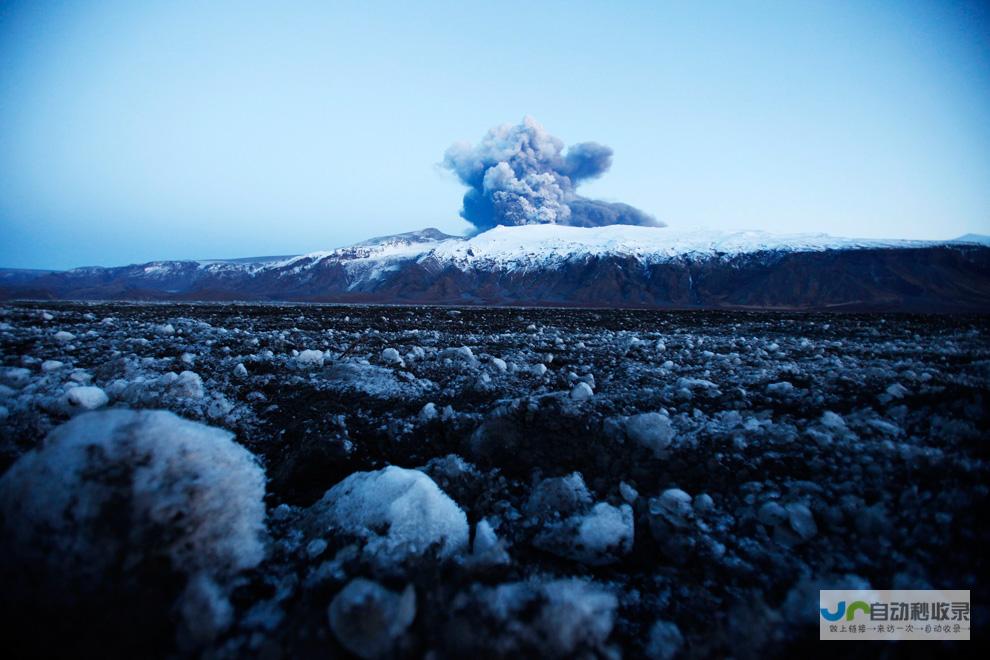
(833, 421)
(488, 549)
(559, 496)
(86, 398)
(782, 388)
(675, 526)
(16, 377)
(573, 529)
(63, 336)
(368, 619)
(894, 391)
(391, 356)
(582, 392)
(603, 535)
(799, 526)
(556, 619)
(428, 412)
(372, 380)
(399, 513)
(118, 508)
(310, 358)
(651, 431)
(188, 384)
(463, 353)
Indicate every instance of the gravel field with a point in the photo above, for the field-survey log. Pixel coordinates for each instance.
(428, 481)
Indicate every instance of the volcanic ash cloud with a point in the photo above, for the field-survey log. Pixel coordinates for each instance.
(521, 175)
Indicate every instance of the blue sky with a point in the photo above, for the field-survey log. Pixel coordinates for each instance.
(132, 131)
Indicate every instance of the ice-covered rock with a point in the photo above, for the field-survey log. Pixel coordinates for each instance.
(597, 538)
(15, 377)
(240, 371)
(559, 497)
(703, 503)
(696, 383)
(189, 385)
(86, 398)
(428, 412)
(51, 365)
(582, 392)
(463, 353)
(798, 526)
(81, 376)
(218, 407)
(399, 513)
(675, 505)
(603, 535)
(114, 497)
(558, 619)
(628, 493)
(368, 619)
(651, 431)
(675, 528)
(63, 336)
(391, 356)
(801, 520)
(579, 613)
(772, 513)
(310, 358)
(487, 548)
(833, 421)
(782, 388)
(896, 391)
(893, 392)
(484, 538)
(573, 529)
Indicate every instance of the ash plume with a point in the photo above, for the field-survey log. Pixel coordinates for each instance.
(521, 175)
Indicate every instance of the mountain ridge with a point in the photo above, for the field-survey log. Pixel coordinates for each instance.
(555, 265)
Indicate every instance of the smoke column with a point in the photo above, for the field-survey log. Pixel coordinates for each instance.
(521, 175)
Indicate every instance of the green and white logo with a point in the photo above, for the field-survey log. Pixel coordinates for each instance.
(894, 614)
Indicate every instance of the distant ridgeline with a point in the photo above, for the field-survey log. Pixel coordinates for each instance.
(613, 266)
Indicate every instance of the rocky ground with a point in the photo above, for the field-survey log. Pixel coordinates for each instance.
(497, 482)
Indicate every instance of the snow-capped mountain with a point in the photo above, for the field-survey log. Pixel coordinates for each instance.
(546, 245)
(980, 239)
(559, 265)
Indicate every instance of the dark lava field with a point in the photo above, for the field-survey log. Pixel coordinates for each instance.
(371, 481)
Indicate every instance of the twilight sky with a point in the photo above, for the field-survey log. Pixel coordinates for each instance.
(132, 131)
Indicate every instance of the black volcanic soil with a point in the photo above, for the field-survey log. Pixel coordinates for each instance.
(876, 425)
